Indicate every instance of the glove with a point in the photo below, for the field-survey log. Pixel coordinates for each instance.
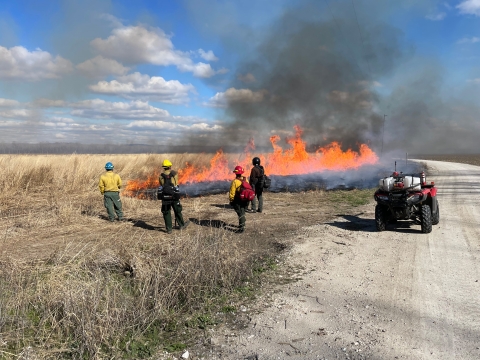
(160, 188)
(231, 203)
(176, 189)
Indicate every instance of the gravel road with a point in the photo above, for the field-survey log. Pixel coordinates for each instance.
(398, 294)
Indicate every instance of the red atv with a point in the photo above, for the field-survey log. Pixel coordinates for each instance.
(406, 197)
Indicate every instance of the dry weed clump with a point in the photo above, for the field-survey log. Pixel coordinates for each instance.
(104, 301)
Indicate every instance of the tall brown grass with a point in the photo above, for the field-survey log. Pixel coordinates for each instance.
(103, 293)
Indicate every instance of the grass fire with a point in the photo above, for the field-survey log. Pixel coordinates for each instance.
(294, 160)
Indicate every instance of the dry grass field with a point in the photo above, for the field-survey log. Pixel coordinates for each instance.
(472, 159)
(75, 286)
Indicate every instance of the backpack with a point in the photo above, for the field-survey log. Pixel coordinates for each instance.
(261, 179)
(246, 192)
(266, 182)
(168, 192)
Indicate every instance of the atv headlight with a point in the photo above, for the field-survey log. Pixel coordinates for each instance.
(382, 197)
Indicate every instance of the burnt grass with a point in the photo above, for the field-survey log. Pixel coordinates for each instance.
(76, 286)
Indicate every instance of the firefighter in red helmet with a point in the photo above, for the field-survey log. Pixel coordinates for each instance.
(235, 201)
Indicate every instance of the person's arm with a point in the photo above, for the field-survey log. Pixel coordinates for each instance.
(119, 181)
(161, 180)
(101, 185)
(175, 179)
(253, 176)
(233, 191)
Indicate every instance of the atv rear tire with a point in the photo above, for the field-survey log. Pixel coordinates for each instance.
(426, 219)
(381, 217)
(436, 215)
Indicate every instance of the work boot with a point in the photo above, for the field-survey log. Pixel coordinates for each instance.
(169, 231)
(185, 224)
(259, 210)
(240, 231)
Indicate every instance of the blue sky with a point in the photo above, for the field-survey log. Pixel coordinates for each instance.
(161, 71)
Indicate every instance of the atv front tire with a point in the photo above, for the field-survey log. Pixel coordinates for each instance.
(436, 215)
(426, 219)
(381, 217)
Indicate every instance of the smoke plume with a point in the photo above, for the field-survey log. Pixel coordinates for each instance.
(322, 65)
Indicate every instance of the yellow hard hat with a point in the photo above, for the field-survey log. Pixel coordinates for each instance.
(166, 163)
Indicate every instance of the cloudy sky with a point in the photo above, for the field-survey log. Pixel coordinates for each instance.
(154, 72)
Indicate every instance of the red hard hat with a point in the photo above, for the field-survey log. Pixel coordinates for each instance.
(238, 170)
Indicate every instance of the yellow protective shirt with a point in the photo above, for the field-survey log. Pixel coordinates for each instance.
(235, 187)
(109, 181)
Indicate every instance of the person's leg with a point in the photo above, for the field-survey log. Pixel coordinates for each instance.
(167, 216)
(260, 200)
(242, 218)
(117, 204)
(240, 210)
(177, 209)
(254, 202)
(108, 203)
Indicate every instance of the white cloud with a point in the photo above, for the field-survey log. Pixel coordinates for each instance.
(232, 95)
(469, 7)
(207, 55)
(46, 103)
(16, 114)
(359, 99)
(8, 103)
(200, 69)
(164, 125)
(155, 88)
(100, 67)
(247, 78)
(436, 16)
(139, 45)
(475, 81)
(471, 40)
(19, 63)
(101, 109)
(113, 20)
(222, 71)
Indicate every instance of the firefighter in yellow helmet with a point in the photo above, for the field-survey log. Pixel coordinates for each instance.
(169, 193)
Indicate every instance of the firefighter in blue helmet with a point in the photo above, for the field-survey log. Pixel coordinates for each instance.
(109, 185)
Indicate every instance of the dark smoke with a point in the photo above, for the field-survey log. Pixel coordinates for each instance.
(314, 69)
(322, 66)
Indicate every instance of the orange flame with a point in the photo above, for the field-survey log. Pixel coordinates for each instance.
(293, 161)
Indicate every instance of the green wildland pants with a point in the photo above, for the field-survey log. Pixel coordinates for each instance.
(240, 208)
(167, 214)
(113, 204)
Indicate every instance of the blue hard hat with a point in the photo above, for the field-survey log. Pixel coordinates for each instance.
(109, 166)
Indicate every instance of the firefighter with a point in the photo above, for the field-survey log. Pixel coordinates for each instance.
(171, 197)
(238, 205)
(257, 181)
(109, 185)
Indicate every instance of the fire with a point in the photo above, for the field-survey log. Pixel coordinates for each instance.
(292, 161)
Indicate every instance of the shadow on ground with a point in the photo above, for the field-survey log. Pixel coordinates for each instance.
(356, 223)
(219, 224)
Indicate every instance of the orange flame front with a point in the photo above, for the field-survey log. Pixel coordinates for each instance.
(293, 161)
